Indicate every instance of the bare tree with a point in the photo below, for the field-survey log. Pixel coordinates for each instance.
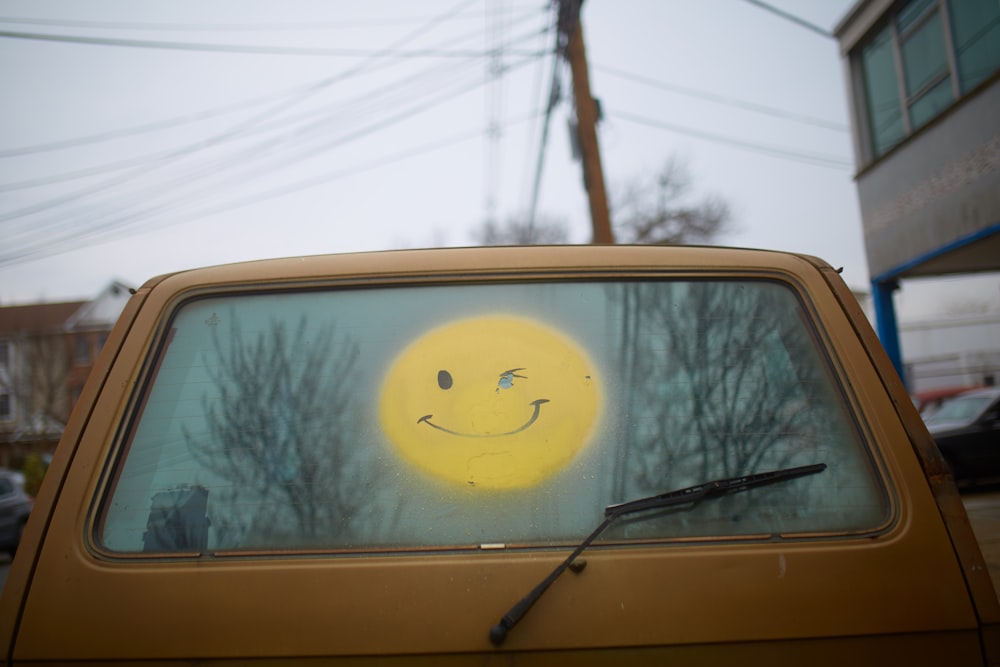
(37, 378)
(521, 232)
(281, 429)
(660, 209)
(656, 209)
(46, 362)
(719, 376)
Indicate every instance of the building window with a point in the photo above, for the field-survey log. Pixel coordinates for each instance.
(6, 406)
(976, 28)
(81, 353)
(885, 117)
(926, 55)
(6, 399)
(925, 61)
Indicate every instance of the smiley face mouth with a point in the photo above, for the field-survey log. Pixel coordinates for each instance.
(536, 404)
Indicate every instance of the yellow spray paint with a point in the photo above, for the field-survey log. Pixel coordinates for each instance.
(496, 402)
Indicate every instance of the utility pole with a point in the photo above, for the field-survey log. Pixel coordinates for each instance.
(571, 37)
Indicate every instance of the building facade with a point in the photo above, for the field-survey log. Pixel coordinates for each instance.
(961, 351)
(924, 89)
(46, 353)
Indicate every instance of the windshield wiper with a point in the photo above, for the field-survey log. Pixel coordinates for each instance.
(691, 494)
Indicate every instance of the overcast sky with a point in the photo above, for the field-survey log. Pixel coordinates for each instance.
(344, 126)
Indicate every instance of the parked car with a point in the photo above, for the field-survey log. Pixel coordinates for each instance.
(967, 430)
(571, 455)
(928, 402)
(15, 506)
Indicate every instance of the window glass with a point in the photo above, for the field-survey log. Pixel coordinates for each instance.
(924, 59)
(963, 408)
(81, 349)
(6, 381)
(457, 416)
(976, 28)
(930, 104)
(881, 93)
(911, 12)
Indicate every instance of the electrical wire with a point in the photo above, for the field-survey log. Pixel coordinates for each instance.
(287, 139)
(239, 129)
(537, 138)
(245, 48)
(245, 174)
(494, 104)
(230, 27)
(830, 161)
(145, 128)
(793, 18)
(243, 161)
(242, 105)
(553, 100)
(90, 237)
(74, 233)
(159, 201)
(398, 87)
(722, 99)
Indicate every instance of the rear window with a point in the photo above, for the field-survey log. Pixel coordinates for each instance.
(446, 417)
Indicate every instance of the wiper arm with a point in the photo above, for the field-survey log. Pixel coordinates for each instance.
(691, 494)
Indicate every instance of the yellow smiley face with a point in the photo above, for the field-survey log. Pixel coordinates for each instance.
(495, 402)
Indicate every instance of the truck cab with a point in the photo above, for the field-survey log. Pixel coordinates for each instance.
(498, 456)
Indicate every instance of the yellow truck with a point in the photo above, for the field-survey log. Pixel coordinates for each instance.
(498, 456)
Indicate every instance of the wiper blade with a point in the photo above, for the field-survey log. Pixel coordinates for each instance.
(692, 494)
(719, 487)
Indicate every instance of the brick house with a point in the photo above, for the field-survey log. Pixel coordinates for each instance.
(46, 353)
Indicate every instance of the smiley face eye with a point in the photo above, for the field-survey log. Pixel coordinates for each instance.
(444, 379)
(507, 378)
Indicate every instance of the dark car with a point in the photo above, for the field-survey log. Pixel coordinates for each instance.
(15, 505)
(967, 431)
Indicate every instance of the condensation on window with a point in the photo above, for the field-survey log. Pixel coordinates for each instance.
(448, 417)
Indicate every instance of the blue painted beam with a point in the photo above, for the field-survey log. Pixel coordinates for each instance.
(885, 321)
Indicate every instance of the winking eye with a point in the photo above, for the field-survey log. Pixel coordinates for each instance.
(507, 378)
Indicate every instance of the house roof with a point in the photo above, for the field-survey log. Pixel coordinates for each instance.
(100, 312)
(36, 318)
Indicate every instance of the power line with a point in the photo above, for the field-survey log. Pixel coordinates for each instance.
(313, 149)
(237, 130)
(722, 99)
(532, 137)
(248, 48)
(550, 105)
(225, 109)
(815, 159)
(50, 247)
(292, 133)
(231, 27)
(396, 87)
(151, 127)
(46, 232)
(494, 102)
(791, 17)
(89, 236)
